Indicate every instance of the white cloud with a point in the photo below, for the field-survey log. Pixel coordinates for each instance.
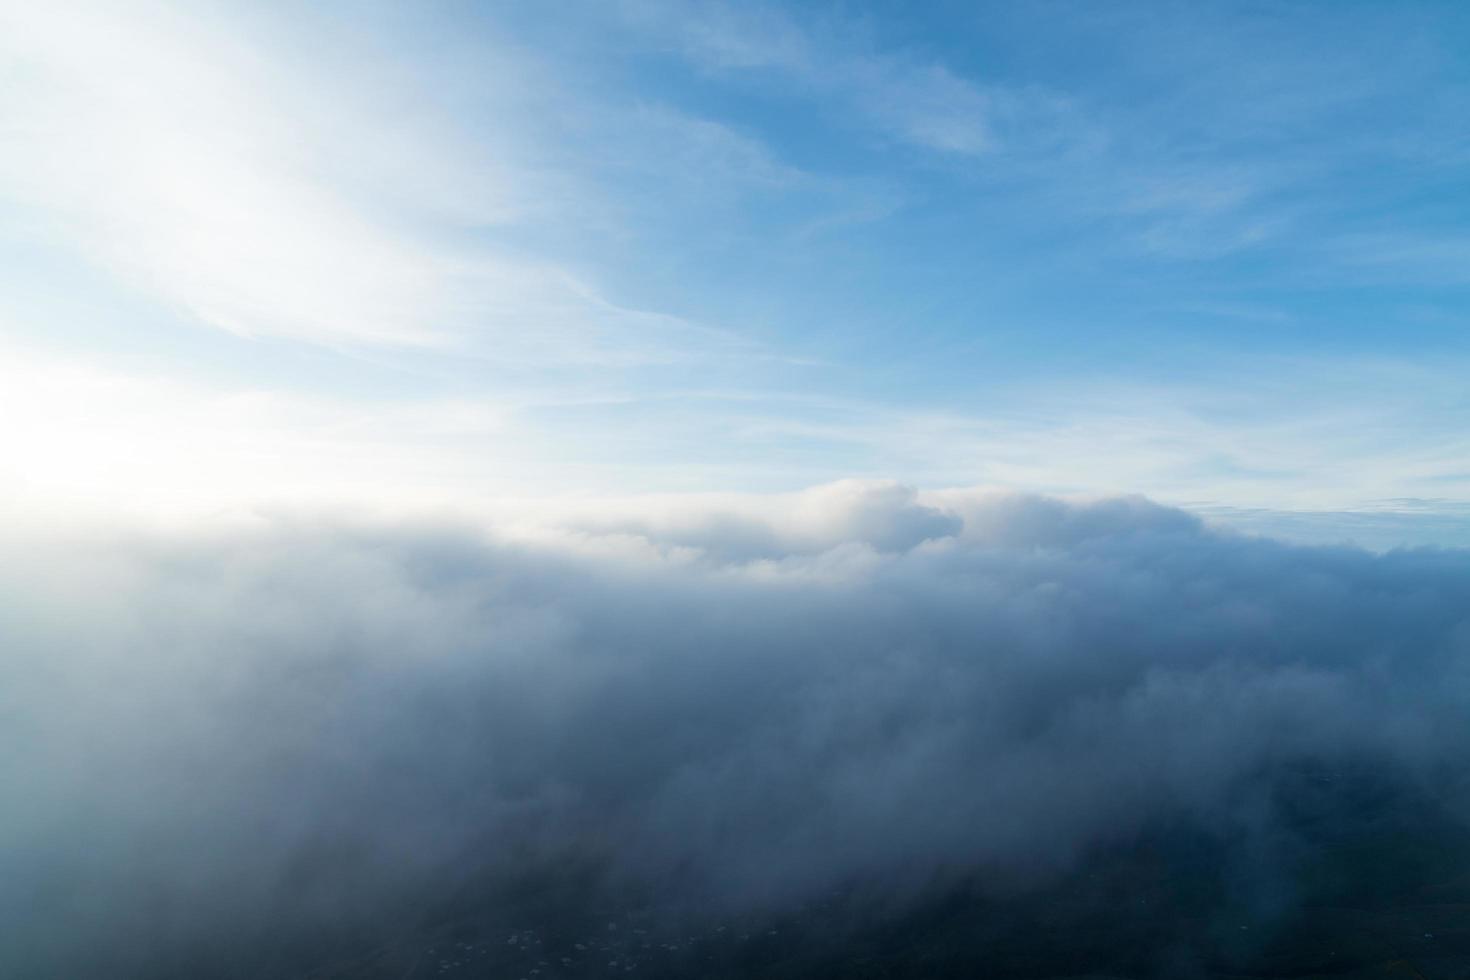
(304, 726)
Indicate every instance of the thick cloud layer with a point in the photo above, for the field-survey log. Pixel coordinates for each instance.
(227, 735)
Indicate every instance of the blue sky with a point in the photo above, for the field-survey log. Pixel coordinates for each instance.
(1217, 254)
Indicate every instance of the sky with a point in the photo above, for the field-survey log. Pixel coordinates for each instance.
(435, 255)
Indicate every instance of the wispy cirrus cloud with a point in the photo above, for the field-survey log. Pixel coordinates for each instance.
(908, 98)
(256, 193)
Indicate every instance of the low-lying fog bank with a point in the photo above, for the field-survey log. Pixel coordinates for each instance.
(260, 752)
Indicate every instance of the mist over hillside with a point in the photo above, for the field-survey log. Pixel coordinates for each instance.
(856, 728)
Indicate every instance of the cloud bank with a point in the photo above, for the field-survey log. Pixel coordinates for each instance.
(214, 741)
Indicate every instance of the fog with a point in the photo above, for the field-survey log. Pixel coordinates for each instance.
(729, 706)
